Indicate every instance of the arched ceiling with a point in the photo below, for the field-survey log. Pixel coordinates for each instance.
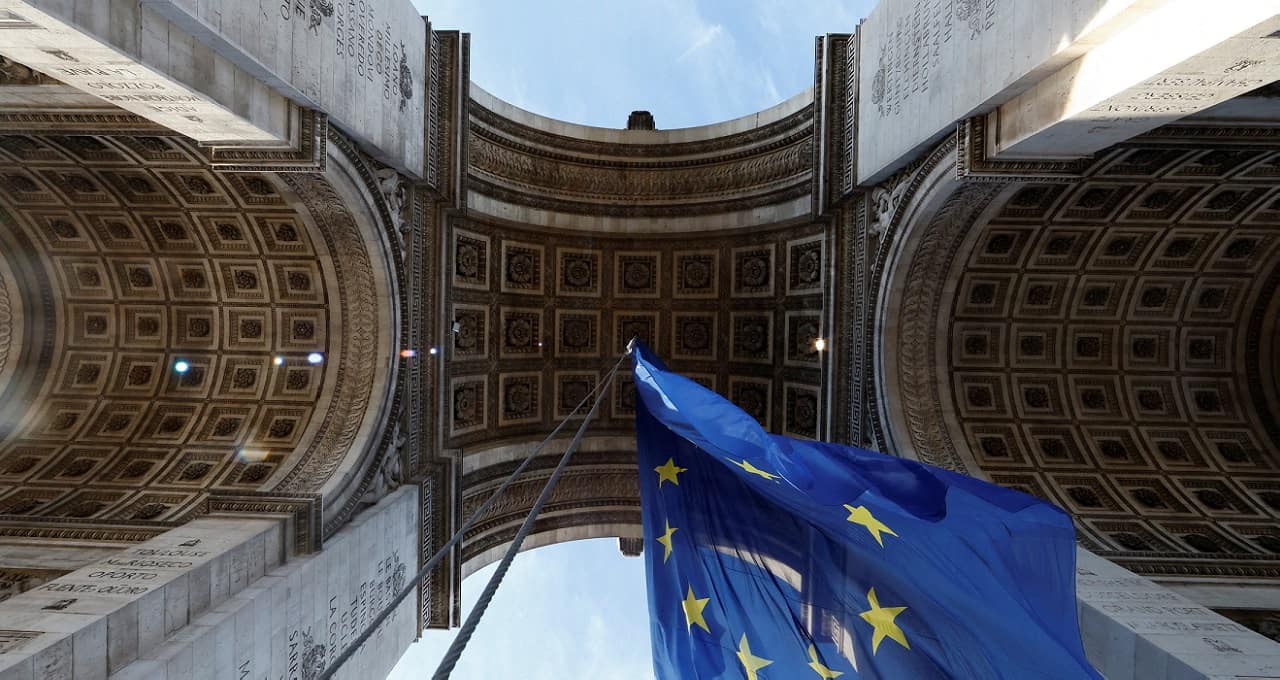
(543, 315)
(1108, 344)
(701, 242)
(131, 254)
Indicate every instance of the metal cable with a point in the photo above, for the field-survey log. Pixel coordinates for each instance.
(473, 619)
(430, 564)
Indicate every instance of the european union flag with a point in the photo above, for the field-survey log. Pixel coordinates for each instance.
(771, 558)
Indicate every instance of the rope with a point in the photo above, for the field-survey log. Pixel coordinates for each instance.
(473, 619)
(430, 564)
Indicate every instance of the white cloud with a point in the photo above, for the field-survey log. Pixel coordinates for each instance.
(702, 39)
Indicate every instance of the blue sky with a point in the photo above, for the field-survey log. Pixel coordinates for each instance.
(689, 62)
(578, 610)
(573, 610)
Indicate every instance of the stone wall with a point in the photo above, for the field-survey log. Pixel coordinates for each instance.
(213, 599)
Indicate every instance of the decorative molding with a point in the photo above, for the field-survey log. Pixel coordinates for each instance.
(973, 164)
(448, 77)
(437, 498)
(835, 89)
(307, 153)
(102, 123)
(917, 321)
(352, 384)
(657, 207)
(1177, 134)
(525, 166)
(726, 146)
(304, 512)
(525, 175)
(401, 218)
(98, 530)
(818, 144)
(880, 233)
(566, 516)
(849, 133)
(6, 326)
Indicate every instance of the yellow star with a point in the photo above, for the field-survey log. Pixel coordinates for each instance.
(693, 610)
(665, 540)
(881, 619)
(750, 662)
(746, 465)
(863, 516)
(668, 472)
(822, 671)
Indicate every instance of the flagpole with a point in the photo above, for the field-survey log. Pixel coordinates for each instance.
(430, 564)
(459, 644)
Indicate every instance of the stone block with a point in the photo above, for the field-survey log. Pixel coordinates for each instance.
(122, 637)
(176, 604)
(179, 660)
(223, 660)
(55, 661)
(274, 546)
(199, 590)
(238, 568)
(219, 579)
(89, 649)
(256, 550)
(144, 669)
(1109, 646)
(151, 621)
(16, 667)
(204, 648)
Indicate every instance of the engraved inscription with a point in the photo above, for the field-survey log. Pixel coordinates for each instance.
(348, 617)
(364, 39)
(910, 59)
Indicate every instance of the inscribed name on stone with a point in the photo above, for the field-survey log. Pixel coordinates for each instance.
(928, 63)
(362, 62)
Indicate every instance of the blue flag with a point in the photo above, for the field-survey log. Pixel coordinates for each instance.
(771, 558)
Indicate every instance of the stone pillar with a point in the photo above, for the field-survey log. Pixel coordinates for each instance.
(213, 599)
(295, 620)
(101, 617)
(1136, 629)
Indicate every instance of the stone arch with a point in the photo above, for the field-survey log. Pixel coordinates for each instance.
(347, 203)
(597, 497)
(152, 257)
(919, 225)
(700, 241)
(1102, 343)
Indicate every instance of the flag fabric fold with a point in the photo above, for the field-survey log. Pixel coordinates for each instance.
(774, 558)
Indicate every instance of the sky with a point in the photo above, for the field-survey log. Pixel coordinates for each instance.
(578, 609)
(689, 62)
(571, 610)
